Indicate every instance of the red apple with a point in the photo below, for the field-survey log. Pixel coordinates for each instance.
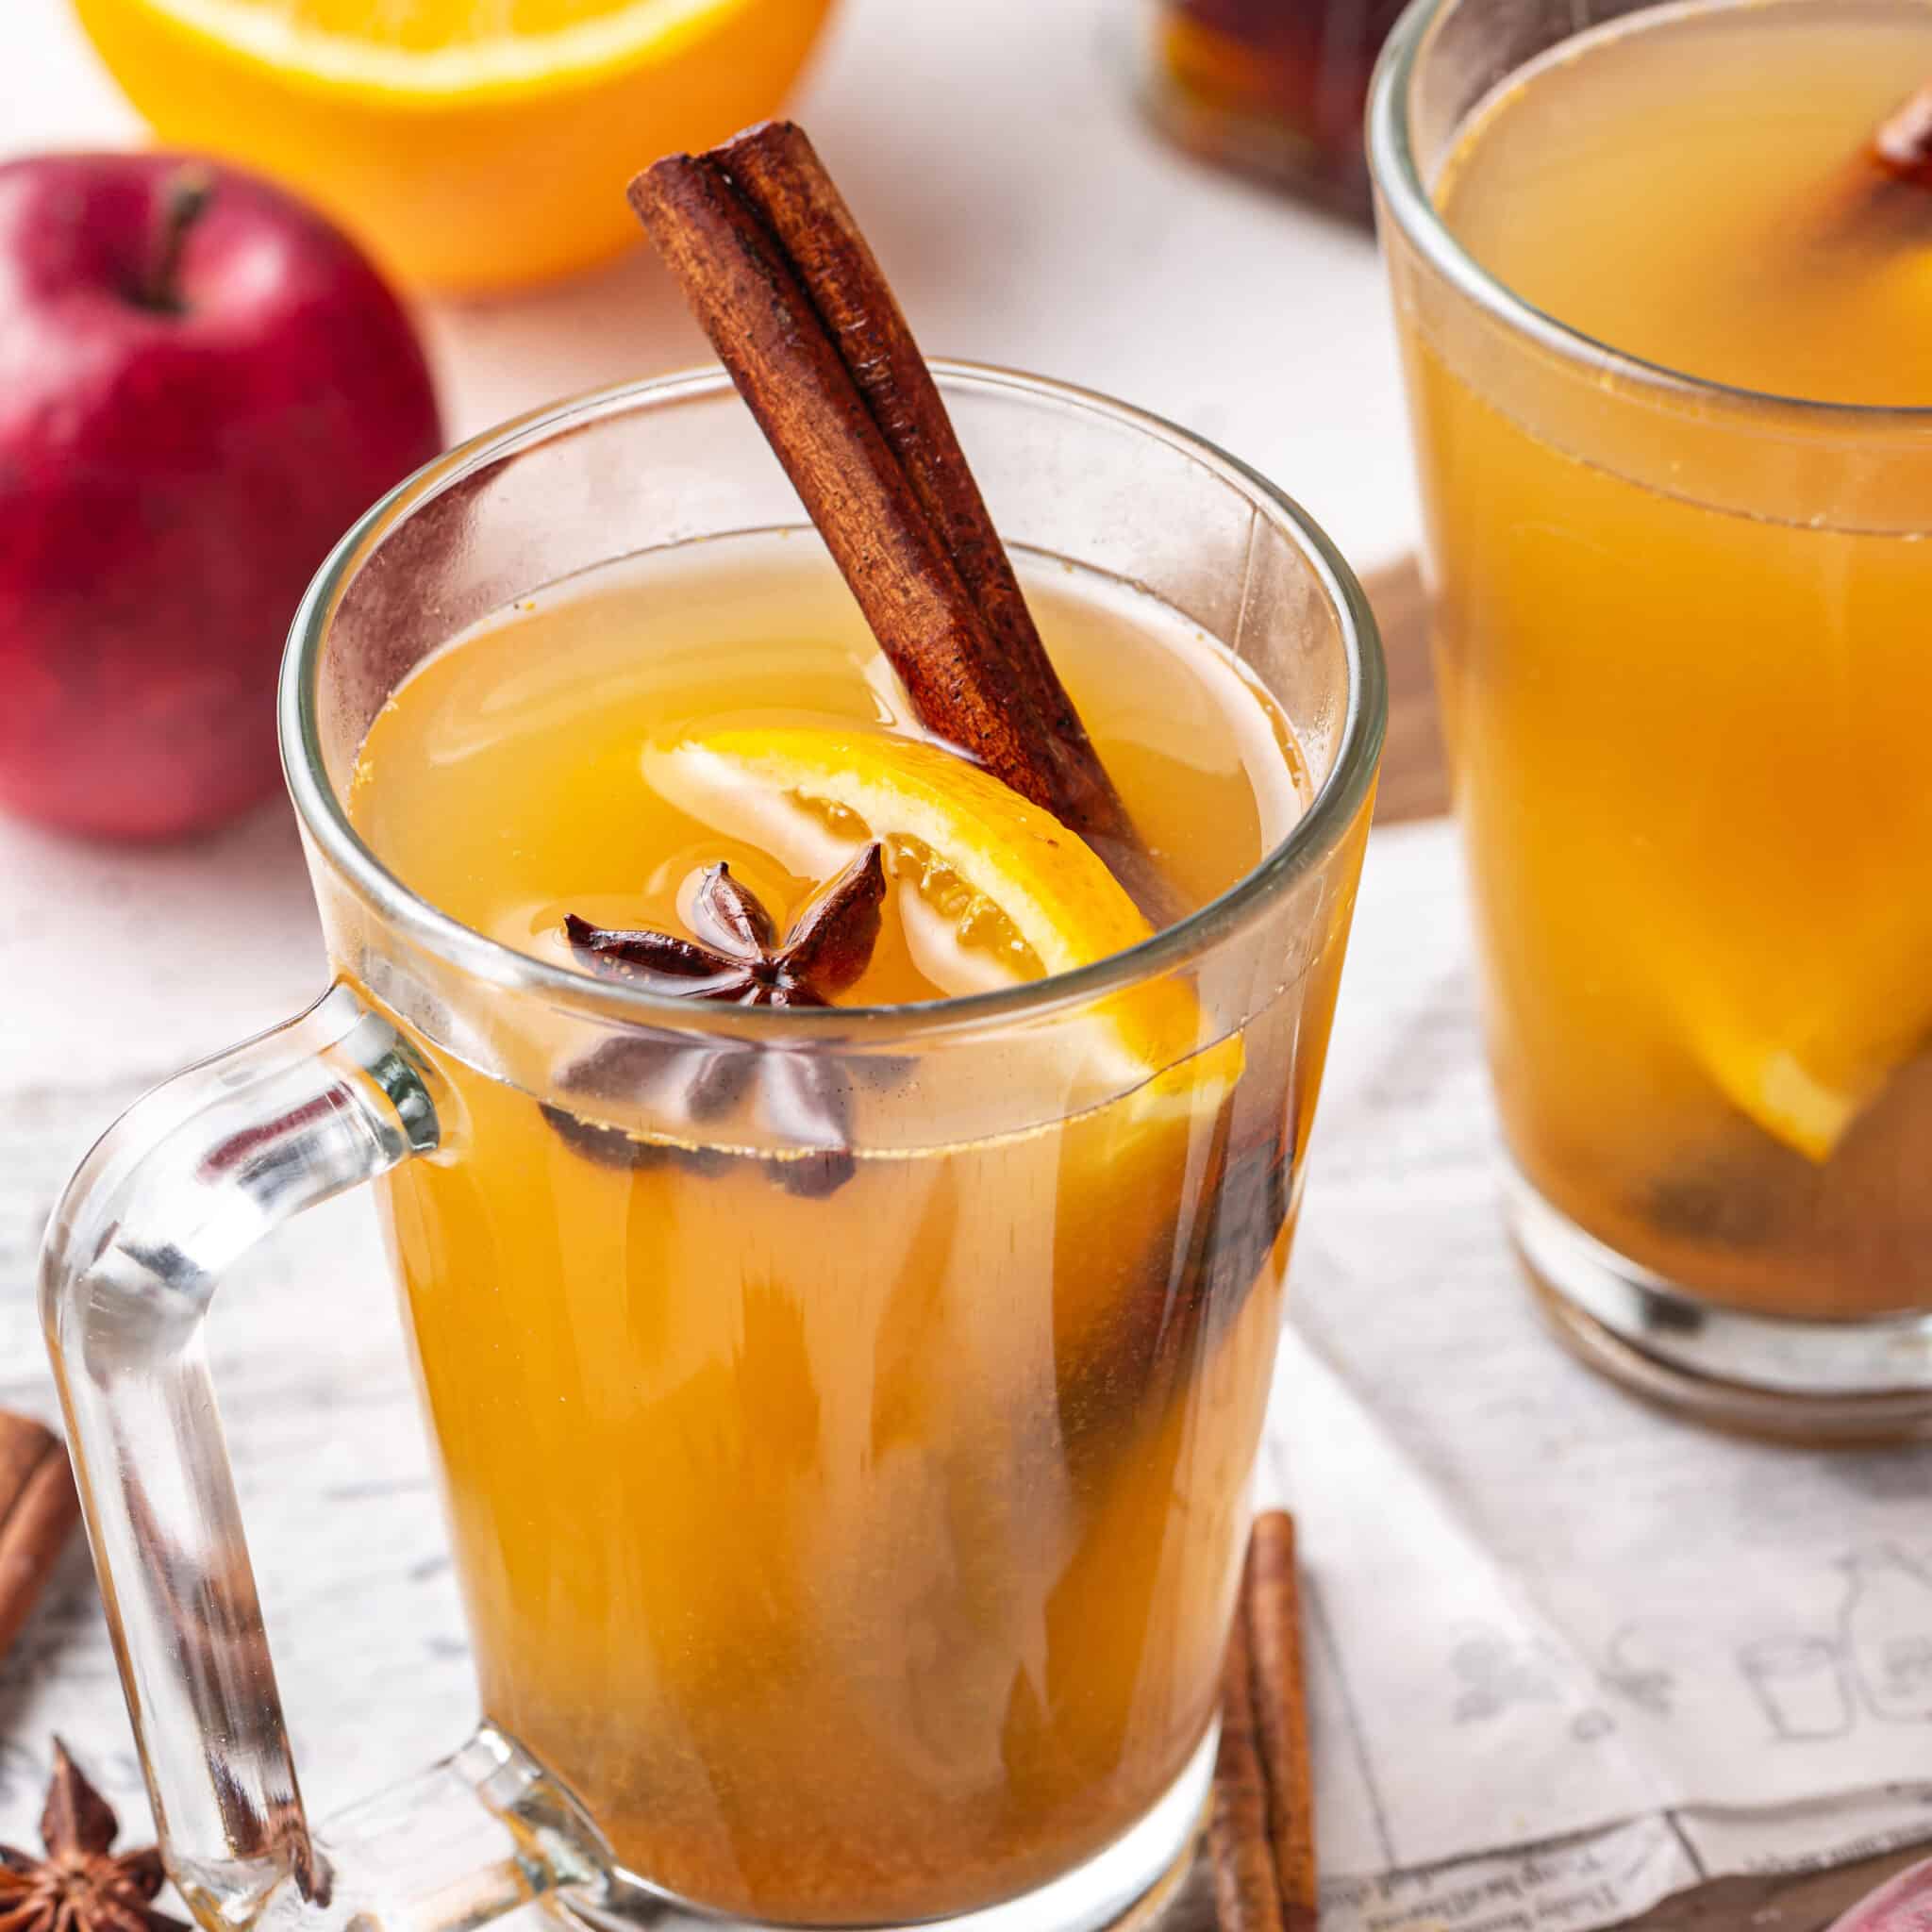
(202, 384)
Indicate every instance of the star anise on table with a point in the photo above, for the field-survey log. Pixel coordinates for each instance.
(82, 1884)
(737, 958)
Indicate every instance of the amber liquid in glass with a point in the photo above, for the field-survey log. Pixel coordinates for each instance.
(863, 1557)
(1689, 741)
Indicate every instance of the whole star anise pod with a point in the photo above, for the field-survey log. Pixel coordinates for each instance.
(738, 957)
(82, 1884)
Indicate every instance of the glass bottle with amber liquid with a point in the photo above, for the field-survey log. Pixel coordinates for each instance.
(1272, 88)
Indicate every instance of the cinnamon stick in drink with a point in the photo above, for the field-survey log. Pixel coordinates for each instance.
(800, 313)
(1878, 197)
(794, 302)
(777, 170)
(1903, 144)
(1261, 1829)
(38, 1511)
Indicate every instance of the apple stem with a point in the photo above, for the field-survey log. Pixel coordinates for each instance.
(184, 202)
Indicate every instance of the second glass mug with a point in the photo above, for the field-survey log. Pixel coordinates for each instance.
(745, 1642)
(1679, 653)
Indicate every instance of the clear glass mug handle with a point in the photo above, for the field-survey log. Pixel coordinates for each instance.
(181, 1186)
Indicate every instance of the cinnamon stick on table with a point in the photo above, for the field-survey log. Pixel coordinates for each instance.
(1262, 1831)
(37, 1510)
(801, 315)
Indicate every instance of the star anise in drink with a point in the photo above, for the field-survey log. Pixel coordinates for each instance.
(736, 957)
(82, 1884)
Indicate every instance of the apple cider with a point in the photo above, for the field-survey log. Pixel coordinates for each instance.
(1682, 648)
(851, 1522)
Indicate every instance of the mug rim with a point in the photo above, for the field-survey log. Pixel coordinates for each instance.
(1405, 199)
(1309, 841)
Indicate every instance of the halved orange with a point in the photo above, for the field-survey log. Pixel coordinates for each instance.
(471, 145)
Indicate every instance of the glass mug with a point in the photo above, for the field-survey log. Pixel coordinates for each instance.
(905, 1605)
(1646, 590)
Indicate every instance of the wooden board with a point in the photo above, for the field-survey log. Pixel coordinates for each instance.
(1807, 1902)
(1415, 784)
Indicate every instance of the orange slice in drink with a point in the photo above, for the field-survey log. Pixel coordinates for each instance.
(1800, 1022)
(1014, 885)
(1804, 1060)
